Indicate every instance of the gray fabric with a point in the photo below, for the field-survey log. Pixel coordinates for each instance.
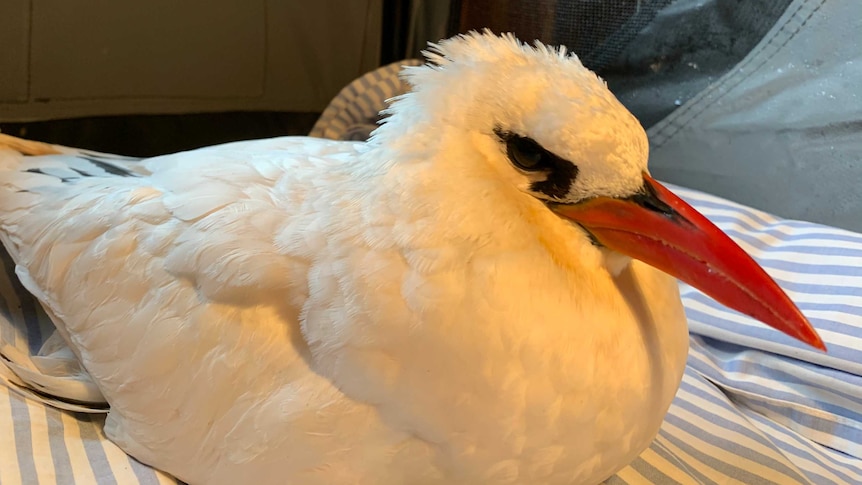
(600, 31)
(686, 47)
(782, 131)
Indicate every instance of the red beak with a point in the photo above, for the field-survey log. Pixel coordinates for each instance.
(660, 229)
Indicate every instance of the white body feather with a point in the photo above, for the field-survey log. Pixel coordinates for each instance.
(299, 311)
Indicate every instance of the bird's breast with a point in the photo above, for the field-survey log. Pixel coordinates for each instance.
(511, 363)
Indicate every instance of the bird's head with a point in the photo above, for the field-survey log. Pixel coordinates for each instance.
(550, 127)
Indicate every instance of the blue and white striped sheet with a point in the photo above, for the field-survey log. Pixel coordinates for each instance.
(786, 415)
(43, 445)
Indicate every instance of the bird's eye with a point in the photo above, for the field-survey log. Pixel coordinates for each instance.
(524, 152)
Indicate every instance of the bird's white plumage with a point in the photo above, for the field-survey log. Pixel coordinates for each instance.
(403, 311)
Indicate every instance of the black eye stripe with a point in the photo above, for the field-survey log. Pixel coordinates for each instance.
(528, 155)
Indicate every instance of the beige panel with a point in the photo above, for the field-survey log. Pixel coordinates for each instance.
(14, 29)
(320, 47)
(124, 57)
(153, 48)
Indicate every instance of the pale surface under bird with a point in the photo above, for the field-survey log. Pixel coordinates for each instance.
(418, 309)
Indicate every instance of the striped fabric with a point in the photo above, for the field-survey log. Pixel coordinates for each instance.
(43, 445)
(754, 406)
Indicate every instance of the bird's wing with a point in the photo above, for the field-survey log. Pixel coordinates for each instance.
(54, 376)
(166, 278)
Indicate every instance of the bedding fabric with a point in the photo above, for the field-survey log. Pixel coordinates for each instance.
(754, 407)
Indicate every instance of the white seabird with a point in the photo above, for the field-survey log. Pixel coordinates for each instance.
(454, 301)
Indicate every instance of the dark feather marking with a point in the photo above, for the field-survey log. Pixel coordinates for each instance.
(102, 156)
(559, 180)
(81, 172)
(111, 169)
(560, 173)
(40, 172)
